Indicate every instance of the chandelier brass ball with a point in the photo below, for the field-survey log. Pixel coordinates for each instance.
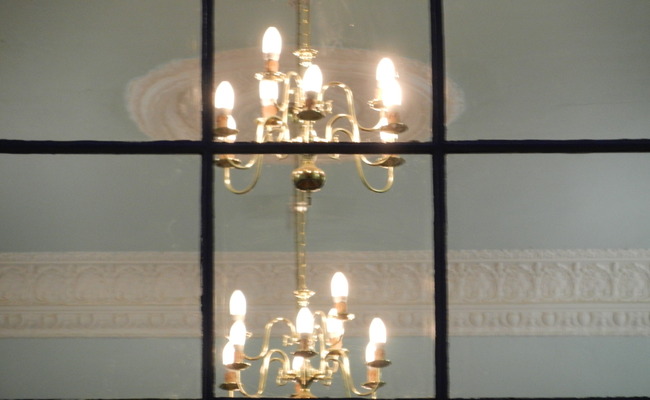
(308, 177)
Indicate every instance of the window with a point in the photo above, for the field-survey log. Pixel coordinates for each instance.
(539, 139)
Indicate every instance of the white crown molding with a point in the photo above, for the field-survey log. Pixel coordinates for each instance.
(147, 294)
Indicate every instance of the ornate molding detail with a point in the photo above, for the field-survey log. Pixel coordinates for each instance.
(536, 292)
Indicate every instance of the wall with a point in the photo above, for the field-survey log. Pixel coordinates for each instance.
(526, 69)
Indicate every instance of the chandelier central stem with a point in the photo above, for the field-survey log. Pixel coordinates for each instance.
(304, 53)
(302, 202)
(304, 24)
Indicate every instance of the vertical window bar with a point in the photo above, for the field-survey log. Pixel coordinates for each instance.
(439, 201)
(207, 202)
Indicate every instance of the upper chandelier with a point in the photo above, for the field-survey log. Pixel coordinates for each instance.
(293, 102)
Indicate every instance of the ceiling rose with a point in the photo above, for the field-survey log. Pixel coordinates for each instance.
(165, 102)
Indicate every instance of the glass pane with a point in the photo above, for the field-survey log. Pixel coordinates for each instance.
(549, 69)
(381, 243)
(99, 277)
(99, 69)
(549, 275)
(351, 37)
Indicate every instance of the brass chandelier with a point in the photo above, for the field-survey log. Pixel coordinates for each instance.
(291, 105)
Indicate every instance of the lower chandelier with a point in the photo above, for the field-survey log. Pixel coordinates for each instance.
(316, 338)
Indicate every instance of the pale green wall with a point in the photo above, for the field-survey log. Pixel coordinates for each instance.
(479, 367)
(529, 69)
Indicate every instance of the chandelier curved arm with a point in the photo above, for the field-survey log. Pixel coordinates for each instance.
(330, 131)
(267, 337)
(359, 160)
(320, 330)
(261, 136)
(257, 161)
(349, 96)
(346, 374)
(264, 371)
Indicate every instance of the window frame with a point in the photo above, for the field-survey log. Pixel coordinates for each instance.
(438, 149)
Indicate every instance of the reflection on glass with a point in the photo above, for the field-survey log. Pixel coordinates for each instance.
(72, 72)
(99, 277)
(549, 70)
(548, 272)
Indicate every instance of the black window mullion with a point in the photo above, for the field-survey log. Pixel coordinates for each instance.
(207, 203)
(438, 158)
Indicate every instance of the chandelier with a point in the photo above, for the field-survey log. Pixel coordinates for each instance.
(293, 106)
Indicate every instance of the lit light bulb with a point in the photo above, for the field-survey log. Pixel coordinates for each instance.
(237, 303)
(224, 96)
(305, 321)
(313, 79)
(371, 348)
(377, 331)
(297, 363)
(385, 72)
(386, 137)
(391, 94)
(237, 333)
(272, 43)
(335, 328)
(339, 287)
(232, 124)
(228, 354)
(268, 92)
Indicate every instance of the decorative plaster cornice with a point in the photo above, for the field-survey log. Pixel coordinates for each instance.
(144, 294)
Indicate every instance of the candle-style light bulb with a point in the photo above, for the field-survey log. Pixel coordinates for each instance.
(339, 287)
(272, 43)
(237, 304)
(228, 354)
(335, 328)
(385, 72)
(268, 92)
(272, 47)
(232, 124)
(377, 331)
(391, 94)
(371, 357)
(313, 80)
(238, 333)
(386, 137)
(371, 348)
(378, 341)
(305, 321)
(297, 363)
(224, 97)
(228, 360)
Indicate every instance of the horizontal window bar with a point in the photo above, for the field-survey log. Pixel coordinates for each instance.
(448, 147)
